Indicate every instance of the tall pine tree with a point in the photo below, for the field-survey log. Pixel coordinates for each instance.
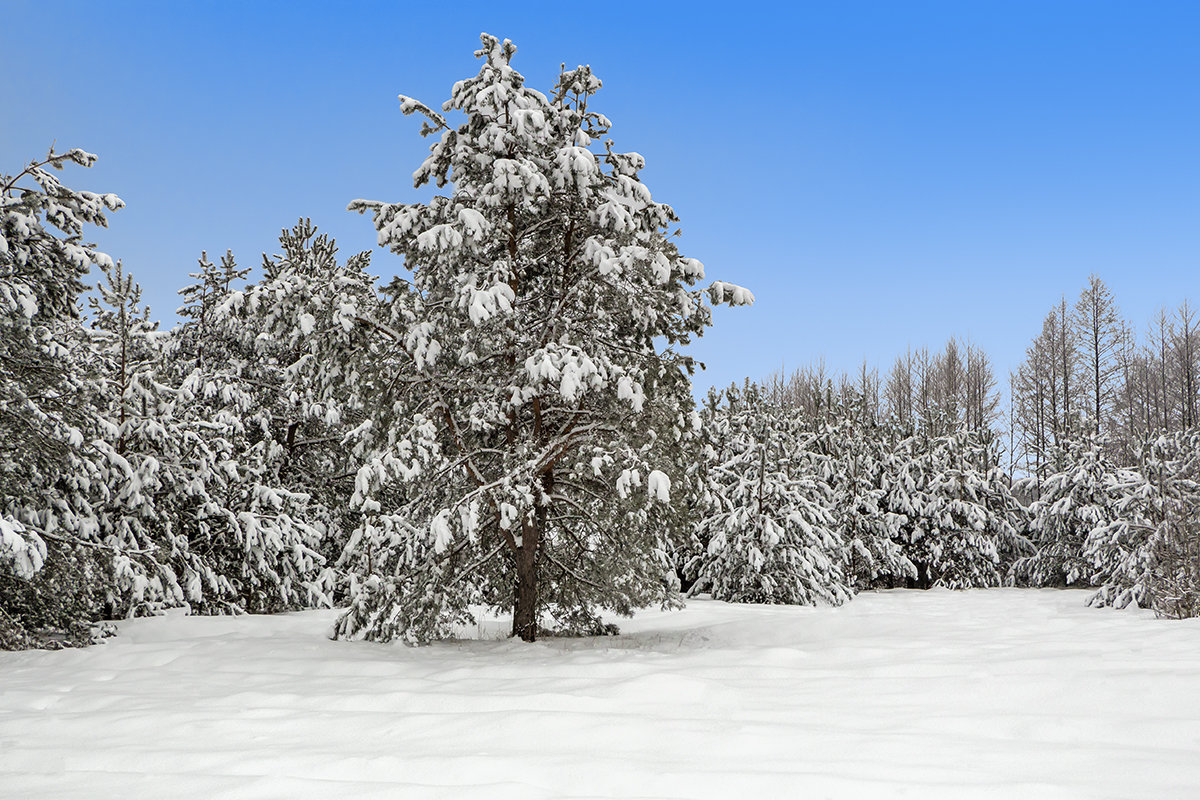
(505, 455)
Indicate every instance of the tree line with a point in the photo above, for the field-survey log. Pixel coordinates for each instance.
(1090, 479)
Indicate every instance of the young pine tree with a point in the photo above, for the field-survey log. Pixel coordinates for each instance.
(1083, 496)
(770, 532)
(959, 512)
(871, 533)
(1148, 554)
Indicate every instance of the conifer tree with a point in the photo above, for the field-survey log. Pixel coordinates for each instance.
(960, 519)
(172, 491)
(1144, 556)
(315, 371)
(1175, 541)
(504, 456)
(46, 416)
(860, 458)
(43, 261)
(200, 336)
(770, 532)
(1081, 497)
(255, 538)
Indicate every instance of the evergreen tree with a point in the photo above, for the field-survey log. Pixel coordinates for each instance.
(43, 261)
(176, 493)
(1146, 555)
(254, 536)
(770, 531)
(959, 512)
(871, 533)
(505, 458)
(46, 577)
(201, 335)
(1175, 542)
(316, 372)
(1083, 496)
(123, 332)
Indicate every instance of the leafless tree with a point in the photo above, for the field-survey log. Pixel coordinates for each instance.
(1098, 326)
(981, 399)
(898, 390)
(1185, 341)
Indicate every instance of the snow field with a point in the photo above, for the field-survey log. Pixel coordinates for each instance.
(981, 694)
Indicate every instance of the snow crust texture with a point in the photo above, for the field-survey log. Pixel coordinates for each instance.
(982, 694)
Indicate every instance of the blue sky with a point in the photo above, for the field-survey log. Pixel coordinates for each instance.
(880, 174)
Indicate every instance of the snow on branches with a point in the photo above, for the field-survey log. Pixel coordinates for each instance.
(770, 533)
(523, 382)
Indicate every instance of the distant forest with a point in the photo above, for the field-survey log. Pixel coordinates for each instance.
(1088, 369)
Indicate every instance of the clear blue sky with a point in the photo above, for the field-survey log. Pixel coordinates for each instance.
(880, 174)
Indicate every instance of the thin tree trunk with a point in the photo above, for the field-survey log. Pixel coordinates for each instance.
(1064, 346)
(124, 378)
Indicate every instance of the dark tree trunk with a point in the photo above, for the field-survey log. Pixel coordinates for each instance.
(922, 580)
(525, 603)
(525, 599)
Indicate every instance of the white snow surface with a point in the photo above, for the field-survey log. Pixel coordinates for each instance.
(984, 694)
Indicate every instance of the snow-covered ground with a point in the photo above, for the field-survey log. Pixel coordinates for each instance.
(996, 694)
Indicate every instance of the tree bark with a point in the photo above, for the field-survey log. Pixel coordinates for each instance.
(525, 604)
(525, 592)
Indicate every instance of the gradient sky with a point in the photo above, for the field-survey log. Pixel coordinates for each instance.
(880, 174)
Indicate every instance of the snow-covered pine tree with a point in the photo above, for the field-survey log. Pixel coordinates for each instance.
(251, 532)
(156, 494)
(1074, 501)
(43, 262)
(679, 452)
(1175, 580)
(692, 549)
(124, 332)
(316, 370)
(770, 531)
(201, 335)
(503, 459)
(859, 456)
(1119, 552)
(1143, 555)
(958, 507)
(43, 408)
(119, 484)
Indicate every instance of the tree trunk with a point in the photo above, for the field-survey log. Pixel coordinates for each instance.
(525, 603)
(922, 580)
(525, 592)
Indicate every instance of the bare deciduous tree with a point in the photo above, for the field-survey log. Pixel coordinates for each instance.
(1098, 326)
